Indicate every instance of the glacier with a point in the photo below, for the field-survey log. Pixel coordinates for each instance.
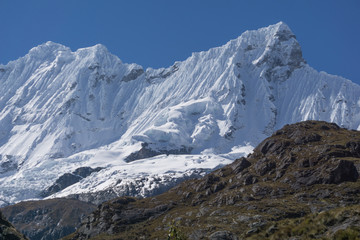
(150, 128)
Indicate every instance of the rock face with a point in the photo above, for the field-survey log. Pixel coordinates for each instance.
(304, 172)
(8, 232)
(222, 235)
(330, 164)
(68, 179)
(47, 219)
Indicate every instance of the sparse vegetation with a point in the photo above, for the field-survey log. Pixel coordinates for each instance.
(51, 219)
(338, 223)
(175, 233)
(301, 183)
(8, 232)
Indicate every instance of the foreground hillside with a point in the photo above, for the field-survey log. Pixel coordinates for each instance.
(7, 230)
(300, 183)
(47, 219)
(63, 112)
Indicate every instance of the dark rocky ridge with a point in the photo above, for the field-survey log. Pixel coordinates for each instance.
(135, 73)
(292, 177)
(7, 230)
(68, 179)
(48, 219)
(147, 152)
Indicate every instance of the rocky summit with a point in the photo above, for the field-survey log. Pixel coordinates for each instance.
(300, 183)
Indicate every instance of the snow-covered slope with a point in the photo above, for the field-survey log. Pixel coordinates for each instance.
(61, 110)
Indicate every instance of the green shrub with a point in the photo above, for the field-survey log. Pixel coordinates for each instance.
(175, 233)
(347, 234)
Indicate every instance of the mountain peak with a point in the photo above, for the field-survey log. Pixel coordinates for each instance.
(47, 48)
(283, 32)
(276, 30)
(99, 52)
(281, 49)
(281, 26)
(96, 48)
(52, 45)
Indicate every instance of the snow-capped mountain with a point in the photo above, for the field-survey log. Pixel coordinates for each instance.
(63, 110)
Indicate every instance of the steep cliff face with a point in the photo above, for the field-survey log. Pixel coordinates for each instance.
(48, 219)
(61, 110)
(302, 182)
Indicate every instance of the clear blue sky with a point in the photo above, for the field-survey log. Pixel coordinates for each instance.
(156, 33)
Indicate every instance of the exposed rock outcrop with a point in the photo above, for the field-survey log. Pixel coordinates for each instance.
(69, 179)
(47, 219)
(147, 152)
(300, 172)
(8, 232)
